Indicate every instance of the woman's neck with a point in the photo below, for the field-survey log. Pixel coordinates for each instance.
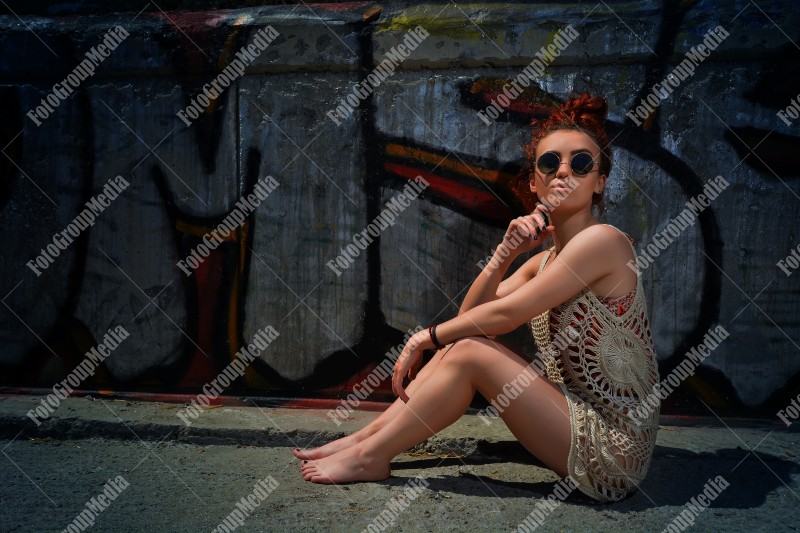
(570, 225)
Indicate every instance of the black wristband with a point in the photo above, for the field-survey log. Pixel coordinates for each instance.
(432, 331)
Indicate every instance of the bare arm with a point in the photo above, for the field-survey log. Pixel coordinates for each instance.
(489, 285)
(588, 257)
(580, 263)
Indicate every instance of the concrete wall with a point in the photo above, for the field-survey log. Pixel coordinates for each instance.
(333, 179)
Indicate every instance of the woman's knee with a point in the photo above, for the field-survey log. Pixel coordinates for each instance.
(425, 372)
(469, 350)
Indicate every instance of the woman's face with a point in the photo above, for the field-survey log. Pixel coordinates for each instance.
(564, 186)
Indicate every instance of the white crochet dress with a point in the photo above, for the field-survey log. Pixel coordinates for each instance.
(605, 373)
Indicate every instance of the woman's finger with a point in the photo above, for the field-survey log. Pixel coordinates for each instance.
(527, 228)
(540, 214)
(400, 371)
(395, 375)
(530, 225)
(400, 391)
(415, 368)
(546, 216)
(540, 223)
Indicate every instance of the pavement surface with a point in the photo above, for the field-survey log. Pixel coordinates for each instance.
(119, 465)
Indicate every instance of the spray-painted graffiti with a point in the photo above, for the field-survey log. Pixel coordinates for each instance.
(335, 178)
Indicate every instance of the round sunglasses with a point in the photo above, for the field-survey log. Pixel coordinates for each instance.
(581, 163)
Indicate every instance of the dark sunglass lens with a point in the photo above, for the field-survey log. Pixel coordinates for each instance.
(582, 163)
(548, 163)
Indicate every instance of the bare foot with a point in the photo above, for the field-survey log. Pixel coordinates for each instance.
(348, 465)
(330, 448)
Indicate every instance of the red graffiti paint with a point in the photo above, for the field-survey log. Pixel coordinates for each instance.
(483, 202)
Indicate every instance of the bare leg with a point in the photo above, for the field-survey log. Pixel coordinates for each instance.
(538, 417)
(370, 429)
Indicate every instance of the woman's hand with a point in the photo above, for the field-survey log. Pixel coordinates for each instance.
(409, 361)
(527, 232)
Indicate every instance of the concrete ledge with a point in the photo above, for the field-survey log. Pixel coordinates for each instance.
(330, 37)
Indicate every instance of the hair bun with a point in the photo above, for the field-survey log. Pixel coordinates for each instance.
(585, 108)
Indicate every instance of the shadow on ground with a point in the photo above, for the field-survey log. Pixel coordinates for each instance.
(675, 477)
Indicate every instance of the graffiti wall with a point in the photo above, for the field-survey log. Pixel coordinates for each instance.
(195, 177)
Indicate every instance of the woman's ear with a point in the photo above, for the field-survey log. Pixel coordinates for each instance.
(600, 185)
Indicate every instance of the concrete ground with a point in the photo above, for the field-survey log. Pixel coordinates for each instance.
(472, 476)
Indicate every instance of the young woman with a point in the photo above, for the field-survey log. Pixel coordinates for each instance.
(589, 318)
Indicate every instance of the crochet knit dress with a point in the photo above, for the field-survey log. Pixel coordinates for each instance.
(600, 352)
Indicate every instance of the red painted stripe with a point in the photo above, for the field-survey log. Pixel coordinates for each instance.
(481, 201)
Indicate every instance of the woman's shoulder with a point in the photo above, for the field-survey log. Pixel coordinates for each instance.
(625, 233)
(605, 241)
(605, 232)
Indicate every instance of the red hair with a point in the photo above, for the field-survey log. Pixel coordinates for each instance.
(584, 113)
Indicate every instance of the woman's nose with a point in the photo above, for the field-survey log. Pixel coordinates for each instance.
(561, 168)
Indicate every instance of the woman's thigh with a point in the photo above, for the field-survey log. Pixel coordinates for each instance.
(534, 408)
